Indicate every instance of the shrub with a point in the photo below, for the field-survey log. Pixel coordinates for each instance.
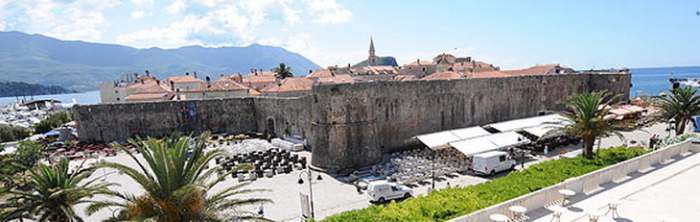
(453, 202)
(52, 121)
(13, 133)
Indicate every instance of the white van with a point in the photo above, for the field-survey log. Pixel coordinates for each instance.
(490, 163)
(382, 191)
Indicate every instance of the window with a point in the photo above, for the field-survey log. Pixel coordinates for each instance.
(502, 158)
(394, 188)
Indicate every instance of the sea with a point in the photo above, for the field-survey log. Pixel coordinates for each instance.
(645, 82)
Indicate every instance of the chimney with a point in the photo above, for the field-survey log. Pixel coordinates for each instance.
(157, 81)
(195, 75)
(172, 86)
(148, 73)
(418, 61)
(187, 73)
(311, 71)
(208, 82)
(348, 65)
(178, 94)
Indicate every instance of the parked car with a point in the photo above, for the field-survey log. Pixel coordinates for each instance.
(490, 163)
(382, 191)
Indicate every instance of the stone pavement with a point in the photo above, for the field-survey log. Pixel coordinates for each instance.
(330, 195)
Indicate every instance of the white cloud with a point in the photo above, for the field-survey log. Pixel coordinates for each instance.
(177, 7)
(142, 3)
(138, 14)
(75, 20)
(174, 35)
(243, 22)
(328, 11)
(141, 7)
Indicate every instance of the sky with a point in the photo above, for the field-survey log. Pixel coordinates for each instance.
(509, 34)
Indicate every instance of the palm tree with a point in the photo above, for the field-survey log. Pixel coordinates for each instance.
(586, 114)
(283, 71)
(681, 106)
(53, 193)
(176, 180)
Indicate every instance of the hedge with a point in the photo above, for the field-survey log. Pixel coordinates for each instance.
(52, 121)
(10, 133)
(453, 202)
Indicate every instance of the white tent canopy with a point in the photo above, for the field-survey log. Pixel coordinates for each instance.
(440, 140)
(473, 146)
(489, 143)
(542, 130)
(519, 124)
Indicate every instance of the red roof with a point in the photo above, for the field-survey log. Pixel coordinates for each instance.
(539, 70)
(291, 84)
(183, 79)
(444, 76)
(226, 84)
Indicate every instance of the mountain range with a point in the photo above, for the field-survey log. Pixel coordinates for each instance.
(82, 66)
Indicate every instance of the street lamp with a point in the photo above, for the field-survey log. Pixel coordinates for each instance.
(432, 171)
(311, 191)
(522, 154)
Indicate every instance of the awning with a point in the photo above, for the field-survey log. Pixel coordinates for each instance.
(474, 146)
(471, 132)
(507, 139)
(440, 140)
(518, 124)
(489, 143)
(542, 130)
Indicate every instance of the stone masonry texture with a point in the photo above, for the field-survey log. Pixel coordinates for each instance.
(350, 126)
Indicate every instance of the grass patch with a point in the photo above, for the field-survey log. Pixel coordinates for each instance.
(453, 202)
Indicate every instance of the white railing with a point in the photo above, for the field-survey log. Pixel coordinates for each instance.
(586, 184)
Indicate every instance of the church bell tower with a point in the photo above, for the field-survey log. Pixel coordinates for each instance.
(372, 59)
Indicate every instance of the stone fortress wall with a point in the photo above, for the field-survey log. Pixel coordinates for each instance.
(351, 125)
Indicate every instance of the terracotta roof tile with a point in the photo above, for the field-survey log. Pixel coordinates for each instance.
(226, 84)
(539, 70)
(405, 77)
(444, 76)
(336, 79)
(150, 96)
(183, 79)
(291, 84)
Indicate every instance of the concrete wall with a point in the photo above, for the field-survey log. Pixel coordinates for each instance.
(351, 125)
(354, 124)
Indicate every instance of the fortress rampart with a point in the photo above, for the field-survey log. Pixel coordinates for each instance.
(351, 125)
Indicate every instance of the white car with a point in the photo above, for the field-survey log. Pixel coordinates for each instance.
(382, 191)
(490, 163)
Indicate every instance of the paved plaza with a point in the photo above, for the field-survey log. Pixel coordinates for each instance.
(332, 196)
(666, 194)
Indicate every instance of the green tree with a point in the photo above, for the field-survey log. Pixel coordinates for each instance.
(283, 71)
(28, 153)
(13, 133)
(54, 191)
(586, 112)
(681, 105)
(52, 121)
(177, 181)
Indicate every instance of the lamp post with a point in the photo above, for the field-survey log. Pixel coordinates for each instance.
(311, 191)
(522, 154)
(432, 170)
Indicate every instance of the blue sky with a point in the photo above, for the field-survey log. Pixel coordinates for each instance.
(510, 34)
